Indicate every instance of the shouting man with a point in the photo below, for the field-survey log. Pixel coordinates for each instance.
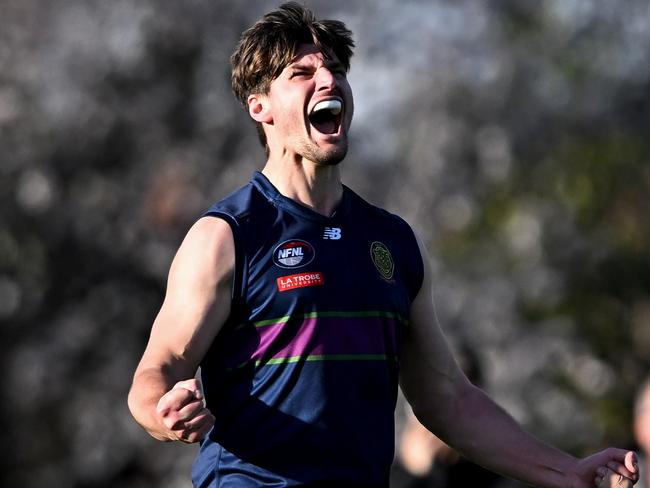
(305, 307)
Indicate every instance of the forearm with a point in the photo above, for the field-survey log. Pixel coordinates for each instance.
(465, 418)
(486, 434)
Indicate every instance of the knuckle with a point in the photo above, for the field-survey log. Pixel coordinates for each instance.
(188, 385)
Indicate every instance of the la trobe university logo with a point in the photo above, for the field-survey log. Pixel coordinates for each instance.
(293, 253)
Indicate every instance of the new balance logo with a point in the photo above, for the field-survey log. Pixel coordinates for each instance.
(332, 233)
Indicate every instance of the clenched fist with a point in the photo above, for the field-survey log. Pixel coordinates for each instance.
(183, 412)
(628, 473)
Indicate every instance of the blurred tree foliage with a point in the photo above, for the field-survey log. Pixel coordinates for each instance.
(513, 135)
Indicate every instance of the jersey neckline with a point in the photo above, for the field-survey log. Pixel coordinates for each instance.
(262, 183)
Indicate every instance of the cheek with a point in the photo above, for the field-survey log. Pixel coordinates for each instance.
(293, 110)
(289, 116)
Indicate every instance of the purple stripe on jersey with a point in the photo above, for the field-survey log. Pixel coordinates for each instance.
(323, 336)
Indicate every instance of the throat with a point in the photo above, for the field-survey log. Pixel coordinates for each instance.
(317, 188)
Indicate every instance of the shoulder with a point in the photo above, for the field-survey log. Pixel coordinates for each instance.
(397, 236)
(388, 223)
(207, 252)
(377, 215)
(208, 232)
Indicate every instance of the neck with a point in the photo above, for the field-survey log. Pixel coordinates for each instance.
(315, 186)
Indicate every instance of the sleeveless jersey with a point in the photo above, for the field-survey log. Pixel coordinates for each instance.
(302, 378)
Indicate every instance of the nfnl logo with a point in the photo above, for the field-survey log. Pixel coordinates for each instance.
(293, 254)
(333, 233)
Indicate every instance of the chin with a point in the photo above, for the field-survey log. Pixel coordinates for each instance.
(326, 156)
(332, 158)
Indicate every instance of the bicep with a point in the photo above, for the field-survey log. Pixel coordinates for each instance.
(430, 376)
(197, 300)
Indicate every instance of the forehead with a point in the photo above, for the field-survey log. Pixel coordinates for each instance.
(312, 54)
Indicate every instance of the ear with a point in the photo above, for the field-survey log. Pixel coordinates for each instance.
(259, 108)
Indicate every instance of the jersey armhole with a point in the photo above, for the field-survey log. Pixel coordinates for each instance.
(418, 272)
(238, 281)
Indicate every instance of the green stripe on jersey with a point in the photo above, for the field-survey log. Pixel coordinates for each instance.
(323, 357)
(348, 315)
(328, 357)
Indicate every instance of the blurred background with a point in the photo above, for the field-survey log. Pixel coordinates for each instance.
(513, 135)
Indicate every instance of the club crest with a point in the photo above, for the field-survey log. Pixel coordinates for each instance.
(382, 259)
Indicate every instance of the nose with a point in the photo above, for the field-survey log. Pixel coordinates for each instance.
(325, 79)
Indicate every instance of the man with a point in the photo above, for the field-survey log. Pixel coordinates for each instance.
(304, 306)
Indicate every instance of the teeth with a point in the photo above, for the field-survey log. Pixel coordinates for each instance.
(333, 106)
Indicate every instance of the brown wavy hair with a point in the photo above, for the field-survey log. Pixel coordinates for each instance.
(270, 45)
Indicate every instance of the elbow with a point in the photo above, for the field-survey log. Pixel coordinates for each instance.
(446, 415)
(434, 413)
(134, 404)
(130, 402)
(143, 417)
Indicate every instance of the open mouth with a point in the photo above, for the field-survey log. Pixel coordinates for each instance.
(326, 116)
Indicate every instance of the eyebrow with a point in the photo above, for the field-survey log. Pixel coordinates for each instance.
(330, 65)
(300, 65)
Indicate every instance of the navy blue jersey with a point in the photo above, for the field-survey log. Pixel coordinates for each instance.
(302, 378)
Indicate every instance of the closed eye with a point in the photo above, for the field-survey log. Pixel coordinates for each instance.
(300, 71)
(299, 74)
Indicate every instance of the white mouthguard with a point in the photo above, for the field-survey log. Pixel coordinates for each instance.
(334, 106)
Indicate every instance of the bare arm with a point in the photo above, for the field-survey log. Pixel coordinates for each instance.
(467, 419)
(165, 398)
